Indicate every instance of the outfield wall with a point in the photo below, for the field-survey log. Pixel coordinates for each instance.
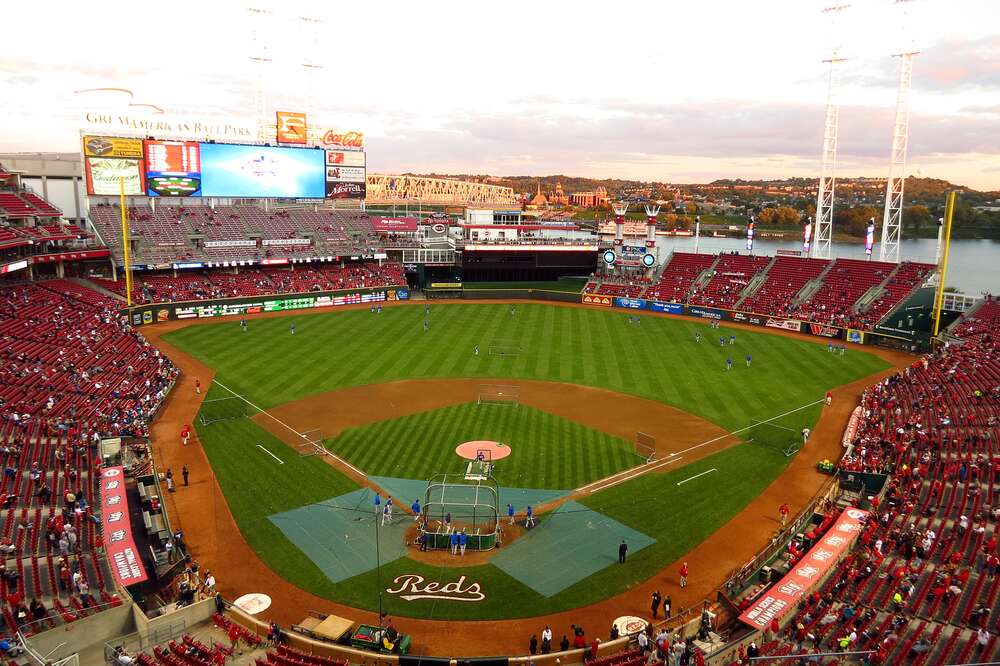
(899, 339)
(160, 312)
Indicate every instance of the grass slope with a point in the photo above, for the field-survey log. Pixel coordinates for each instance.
(679, 517)
(657, 359)
(547, 451)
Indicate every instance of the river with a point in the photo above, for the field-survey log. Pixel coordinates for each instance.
(973, 265)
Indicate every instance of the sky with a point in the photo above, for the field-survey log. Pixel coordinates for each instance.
(666, 91)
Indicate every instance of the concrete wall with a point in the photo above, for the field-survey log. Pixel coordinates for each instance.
(189, 615)
(86, 632)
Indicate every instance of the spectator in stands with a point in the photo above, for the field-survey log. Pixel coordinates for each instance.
(37, 609)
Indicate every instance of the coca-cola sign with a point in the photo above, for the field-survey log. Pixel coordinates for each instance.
(345, 190)
(344, 139)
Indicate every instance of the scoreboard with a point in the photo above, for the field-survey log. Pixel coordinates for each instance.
(173, 168)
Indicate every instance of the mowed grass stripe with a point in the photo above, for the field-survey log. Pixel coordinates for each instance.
(594, 347)
(547, 451)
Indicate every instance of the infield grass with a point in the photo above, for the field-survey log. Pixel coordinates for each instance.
(547, 451)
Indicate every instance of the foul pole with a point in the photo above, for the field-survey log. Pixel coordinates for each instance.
(949, 211)
(125, 244)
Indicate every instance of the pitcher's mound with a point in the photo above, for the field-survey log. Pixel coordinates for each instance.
(469, 450)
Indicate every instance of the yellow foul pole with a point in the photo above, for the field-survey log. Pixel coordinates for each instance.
(125, 243)
(949, 211)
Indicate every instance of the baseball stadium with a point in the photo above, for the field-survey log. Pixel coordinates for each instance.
(261, 405)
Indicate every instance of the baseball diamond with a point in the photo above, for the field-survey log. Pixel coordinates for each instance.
(262, 405)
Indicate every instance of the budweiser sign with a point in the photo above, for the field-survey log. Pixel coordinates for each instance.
(412, 587)
(344, 139)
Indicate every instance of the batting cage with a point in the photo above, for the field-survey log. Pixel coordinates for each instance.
(222, 409)
(455, 502)
(505, 348)
(310, 443)
(497, 394)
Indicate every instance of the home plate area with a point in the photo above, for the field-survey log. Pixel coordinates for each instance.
(565, 546)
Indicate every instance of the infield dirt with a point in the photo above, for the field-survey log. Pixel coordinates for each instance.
(216, 542)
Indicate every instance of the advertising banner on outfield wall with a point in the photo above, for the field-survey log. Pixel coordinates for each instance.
(784, 324)
(822, 330)
(707, 313)
(747, 318)
(630, 303)
(126, 565)
(669, 308)
(854, 335)
(782, 598)
(596, 299)
(225, 309)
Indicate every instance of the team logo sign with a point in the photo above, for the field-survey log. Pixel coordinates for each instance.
(291, 127)
(412, 587)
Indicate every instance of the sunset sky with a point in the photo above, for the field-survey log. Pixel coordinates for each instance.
(672, 91)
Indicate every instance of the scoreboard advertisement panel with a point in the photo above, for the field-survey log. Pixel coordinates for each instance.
(345, 190)
(106, 174)
(173, 168)
(351, 158)
(262, 172)
(342, 174)
(112, 146)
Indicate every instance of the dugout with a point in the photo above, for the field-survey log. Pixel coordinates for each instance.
(474, 505)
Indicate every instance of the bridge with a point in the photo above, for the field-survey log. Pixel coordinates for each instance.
(390, 189)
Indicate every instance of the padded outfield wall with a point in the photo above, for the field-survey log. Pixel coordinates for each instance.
(153, 313)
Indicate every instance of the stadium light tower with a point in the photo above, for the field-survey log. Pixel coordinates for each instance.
(311, 29)
(260, 59)
(892, 216)
(828, 171)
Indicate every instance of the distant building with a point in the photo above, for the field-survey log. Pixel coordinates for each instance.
(598, 197)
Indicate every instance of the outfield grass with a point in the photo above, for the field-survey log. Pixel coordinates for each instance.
(657, 359)
(547, 451)
(678, 517)
(568, 284)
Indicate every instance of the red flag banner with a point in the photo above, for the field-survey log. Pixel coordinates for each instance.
(126, 565)
(812, 568)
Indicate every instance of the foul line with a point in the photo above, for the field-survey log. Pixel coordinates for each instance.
(291, 429)
(280, 461)
(707, 471)
(650, 466)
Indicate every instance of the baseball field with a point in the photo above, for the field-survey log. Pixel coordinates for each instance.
(392, 394)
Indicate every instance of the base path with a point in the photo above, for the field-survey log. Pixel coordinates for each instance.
(216, 542)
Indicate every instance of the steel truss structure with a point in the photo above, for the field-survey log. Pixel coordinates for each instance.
(892, 216)
(828, 174)
(388, 189)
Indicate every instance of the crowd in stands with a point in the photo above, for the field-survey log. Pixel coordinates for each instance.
(845, 294)
(922, 584)
(613, 285)
(227, 283)
(71, 372)
(165, 234)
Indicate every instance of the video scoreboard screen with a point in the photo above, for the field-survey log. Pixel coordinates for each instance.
(173, 168)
